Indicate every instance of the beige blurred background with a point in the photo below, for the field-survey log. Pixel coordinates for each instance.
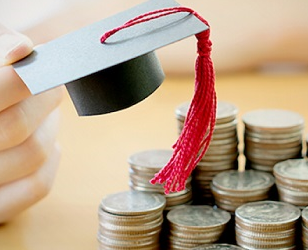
(246, 34)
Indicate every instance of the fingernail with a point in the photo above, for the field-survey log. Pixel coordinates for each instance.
(13, 47)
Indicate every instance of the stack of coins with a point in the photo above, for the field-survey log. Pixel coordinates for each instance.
(191, 226)
(271, 136)
(143, 166)
(217, 246)
(266, 225)
(292, 181)
(305, 228)
(222, 153)
(130, 220)
(233, 188)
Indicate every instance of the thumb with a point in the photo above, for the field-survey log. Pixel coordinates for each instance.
(13, 46)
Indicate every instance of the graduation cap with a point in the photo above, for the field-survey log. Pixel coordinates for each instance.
(111, 72)
(103, 78)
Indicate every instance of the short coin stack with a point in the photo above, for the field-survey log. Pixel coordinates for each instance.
(292, 181)
(222, 153)
(143, 166)
(266, 225)
(218, 246)
(130, 220)
(271, 136)
(191, 226)
(233, 188)
(305, 228)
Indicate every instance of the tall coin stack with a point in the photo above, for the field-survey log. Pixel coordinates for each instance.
(271, 136)
(305, 228)
(143, 166)
(130, 220)
(233, 188)
(292, 181)
(222, 153)
(191, 226)
(266, 225)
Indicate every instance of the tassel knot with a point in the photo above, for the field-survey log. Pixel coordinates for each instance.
(204, 44)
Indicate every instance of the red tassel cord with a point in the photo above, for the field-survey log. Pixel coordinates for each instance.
(198, 129)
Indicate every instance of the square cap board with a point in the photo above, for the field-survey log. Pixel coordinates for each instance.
(103, 78)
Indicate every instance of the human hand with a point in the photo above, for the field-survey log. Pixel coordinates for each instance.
(29, 154)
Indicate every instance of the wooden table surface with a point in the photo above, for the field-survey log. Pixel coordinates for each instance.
(95, 152)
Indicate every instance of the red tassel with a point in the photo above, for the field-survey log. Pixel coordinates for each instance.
(198, 129)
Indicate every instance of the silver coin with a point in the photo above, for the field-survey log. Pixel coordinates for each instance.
(132, 244)
(248, 180)
(239, 196)
(288, 151)
(272, 136)
(150, 158)
(221, 150)
(284, 141)
(224, 113)
(261, 161)
(299, 201)
(268, 213)
(228, 134)
(273, 120)
(291, 184)
(305, 216)
(218, 246)
(212, 158)
(270, 157)
(260, 167)
(133, 203)
(296, 169)
(226, 127)
(198, 216)
(272, 146)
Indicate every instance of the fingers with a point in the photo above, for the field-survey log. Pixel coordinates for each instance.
(28, 127)
(28, 156)
(12, 88)
(21, 194)
(19, 121)
(13, 46)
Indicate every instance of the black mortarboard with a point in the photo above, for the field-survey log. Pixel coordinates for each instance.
(103, 78)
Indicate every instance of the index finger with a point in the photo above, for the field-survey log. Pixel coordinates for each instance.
(13, 47)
